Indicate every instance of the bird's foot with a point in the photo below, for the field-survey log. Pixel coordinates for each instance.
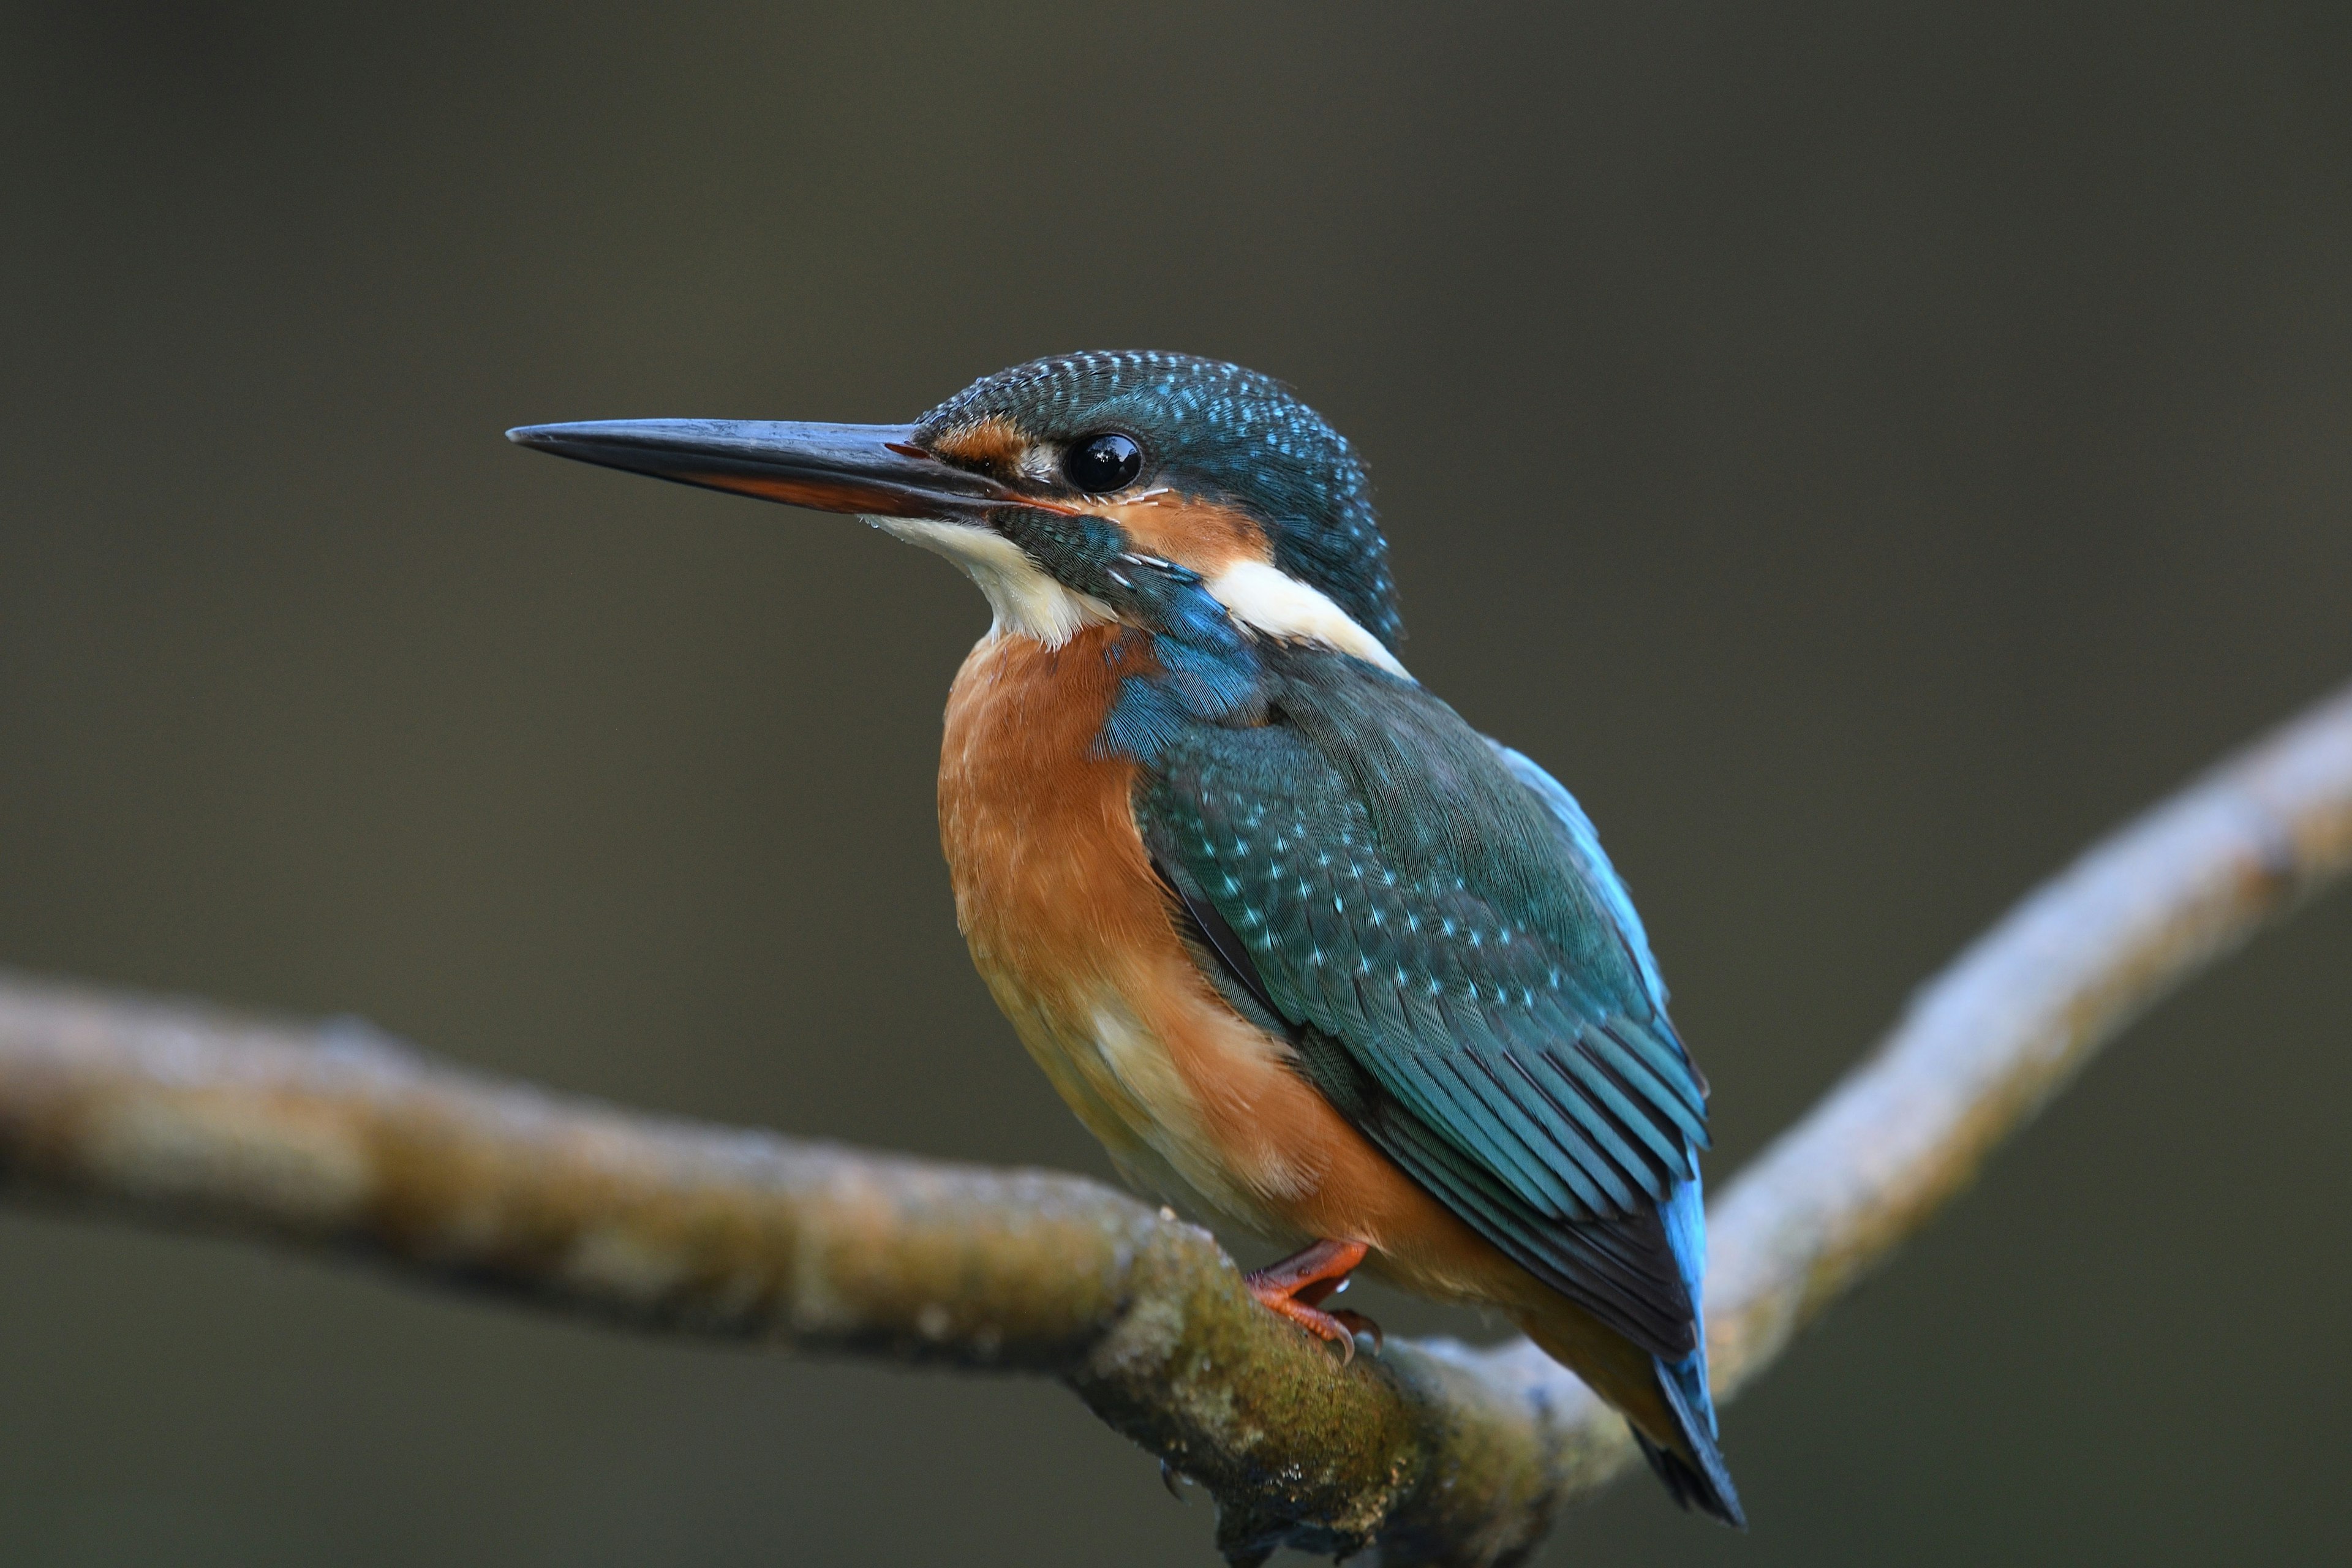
(1336, 1327)
(1297, 1286)
(1357, 1323)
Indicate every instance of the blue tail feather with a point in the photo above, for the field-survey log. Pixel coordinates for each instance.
(1698, 1478)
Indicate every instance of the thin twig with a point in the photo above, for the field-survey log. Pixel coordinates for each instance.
(341, 1139)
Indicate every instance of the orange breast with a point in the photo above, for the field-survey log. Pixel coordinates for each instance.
(1076, 940)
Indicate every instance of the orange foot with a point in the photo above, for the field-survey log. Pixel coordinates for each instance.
(1297, 1286)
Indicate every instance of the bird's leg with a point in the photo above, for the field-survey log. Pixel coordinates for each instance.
(1297, 1286)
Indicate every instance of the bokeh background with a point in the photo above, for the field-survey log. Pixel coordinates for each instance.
(1865, 450)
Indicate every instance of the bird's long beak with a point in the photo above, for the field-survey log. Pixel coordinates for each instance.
(873, 469)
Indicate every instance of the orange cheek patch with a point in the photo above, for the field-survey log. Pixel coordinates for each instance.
(1205, 535)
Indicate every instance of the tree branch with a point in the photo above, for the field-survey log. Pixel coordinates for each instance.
(339, 1138)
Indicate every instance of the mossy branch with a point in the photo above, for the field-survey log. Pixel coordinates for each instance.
(336, 1138)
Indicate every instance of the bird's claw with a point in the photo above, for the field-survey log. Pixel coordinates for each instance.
(1296, 1286)
(1332, 1326)
(1357, 1323)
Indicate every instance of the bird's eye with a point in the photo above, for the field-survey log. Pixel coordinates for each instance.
(1101, 464)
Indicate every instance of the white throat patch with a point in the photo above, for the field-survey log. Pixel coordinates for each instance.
(1026, 601)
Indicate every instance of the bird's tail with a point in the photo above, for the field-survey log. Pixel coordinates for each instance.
(1665, 1403)
(1693, 1468)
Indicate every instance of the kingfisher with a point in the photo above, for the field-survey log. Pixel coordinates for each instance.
(1311, 956)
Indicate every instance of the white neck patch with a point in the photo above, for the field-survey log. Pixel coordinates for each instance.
(1027, 602)
(1270, 601)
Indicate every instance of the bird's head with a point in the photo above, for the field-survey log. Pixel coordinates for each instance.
(1058, 483)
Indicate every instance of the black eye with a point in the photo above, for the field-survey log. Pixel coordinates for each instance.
(1101, 464)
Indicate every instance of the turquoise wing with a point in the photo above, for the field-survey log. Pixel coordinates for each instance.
(1456, 965)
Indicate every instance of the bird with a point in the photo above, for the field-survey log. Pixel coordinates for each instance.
(1312, 957)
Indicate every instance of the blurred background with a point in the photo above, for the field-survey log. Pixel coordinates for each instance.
(1865, 451)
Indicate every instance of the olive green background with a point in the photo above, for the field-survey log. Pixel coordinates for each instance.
(1866, 451)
